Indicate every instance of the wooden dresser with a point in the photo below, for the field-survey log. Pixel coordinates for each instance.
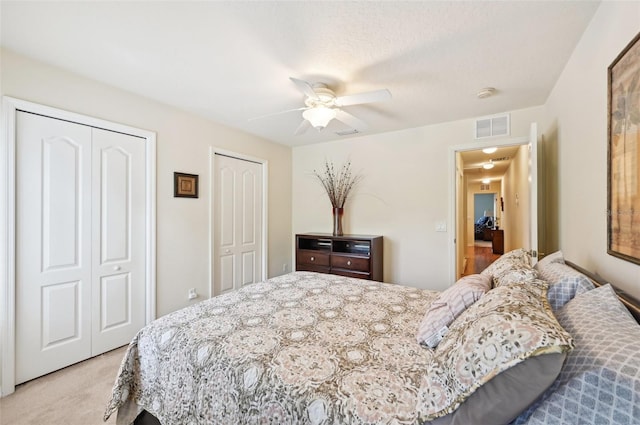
(349, 255)
(497, 241)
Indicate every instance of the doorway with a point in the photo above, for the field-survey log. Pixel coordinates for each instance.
(512, 176)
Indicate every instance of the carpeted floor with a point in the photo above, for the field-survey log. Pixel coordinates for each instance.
(76, 395)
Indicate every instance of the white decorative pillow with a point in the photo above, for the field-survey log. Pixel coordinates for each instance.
(449, 305)
(556, 257)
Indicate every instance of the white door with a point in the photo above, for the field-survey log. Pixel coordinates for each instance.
(53, 230)
(80, 212)
(118, 248)
(238, 223)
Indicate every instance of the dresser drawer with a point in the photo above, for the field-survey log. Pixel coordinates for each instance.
(346, 273)
(313, 258)
(300, 267)
(348, 262)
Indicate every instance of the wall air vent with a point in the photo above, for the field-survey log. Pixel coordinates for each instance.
(347, 132)
(496, 125)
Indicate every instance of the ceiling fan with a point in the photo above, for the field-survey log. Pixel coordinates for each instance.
(322, 106)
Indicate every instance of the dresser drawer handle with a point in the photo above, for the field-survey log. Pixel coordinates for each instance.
(348, 262)
(313, 258)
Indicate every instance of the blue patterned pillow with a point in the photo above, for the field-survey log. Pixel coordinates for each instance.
(564, 283)
(599, 381)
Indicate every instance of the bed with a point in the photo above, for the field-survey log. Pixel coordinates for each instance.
(309, 348)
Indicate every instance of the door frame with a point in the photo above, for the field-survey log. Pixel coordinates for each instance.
(265, 196)
(10, 106)
(453, 207)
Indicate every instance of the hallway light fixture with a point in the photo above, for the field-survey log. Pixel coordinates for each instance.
(488, 165)
(490, 150)
(486, 181)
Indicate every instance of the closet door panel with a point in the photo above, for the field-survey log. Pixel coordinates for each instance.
(119, 238)
(53, 234)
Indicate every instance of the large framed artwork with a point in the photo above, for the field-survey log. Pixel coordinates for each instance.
(623, 180)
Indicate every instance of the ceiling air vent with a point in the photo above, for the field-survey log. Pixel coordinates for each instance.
(496, 125)
(348, 132)
(485, 187)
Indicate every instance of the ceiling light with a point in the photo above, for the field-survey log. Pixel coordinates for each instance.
(319, 116)
(486, 181)
(486, 92)
(489, 150)
(488, 165)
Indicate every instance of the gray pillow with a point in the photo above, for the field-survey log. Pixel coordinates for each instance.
(502, 399)
(556, 257)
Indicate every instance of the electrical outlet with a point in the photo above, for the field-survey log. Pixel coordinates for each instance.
(285, 267)
(192, 294)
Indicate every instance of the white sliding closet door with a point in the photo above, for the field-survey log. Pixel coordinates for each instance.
(80, 206)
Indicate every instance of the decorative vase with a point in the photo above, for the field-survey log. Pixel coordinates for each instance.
(337, 221)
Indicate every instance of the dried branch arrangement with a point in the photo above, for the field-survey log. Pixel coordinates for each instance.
(337, 182)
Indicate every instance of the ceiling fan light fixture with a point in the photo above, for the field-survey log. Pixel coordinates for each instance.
(319, 116)
(490, 150)
(488, 165)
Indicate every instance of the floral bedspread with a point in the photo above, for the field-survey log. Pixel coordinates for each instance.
(303, 348)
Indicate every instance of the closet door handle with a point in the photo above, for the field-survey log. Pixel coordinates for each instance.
(116, 268)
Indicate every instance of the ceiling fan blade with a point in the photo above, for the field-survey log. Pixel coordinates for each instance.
(277, 113)
(350, 120)
(367, 97)
(305, 88)
(302, 128)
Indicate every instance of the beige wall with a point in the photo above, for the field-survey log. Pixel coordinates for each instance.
(575, 139)
(405, 191)
(183, 144)
(517, 205)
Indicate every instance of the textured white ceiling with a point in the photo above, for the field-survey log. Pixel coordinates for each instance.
(231, 61)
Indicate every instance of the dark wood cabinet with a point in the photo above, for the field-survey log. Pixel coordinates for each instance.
(349, 255)
(497, 241)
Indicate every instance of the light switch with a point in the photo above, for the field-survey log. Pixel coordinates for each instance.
(441, 226)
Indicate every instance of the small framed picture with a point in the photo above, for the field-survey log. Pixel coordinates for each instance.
(185, 185)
